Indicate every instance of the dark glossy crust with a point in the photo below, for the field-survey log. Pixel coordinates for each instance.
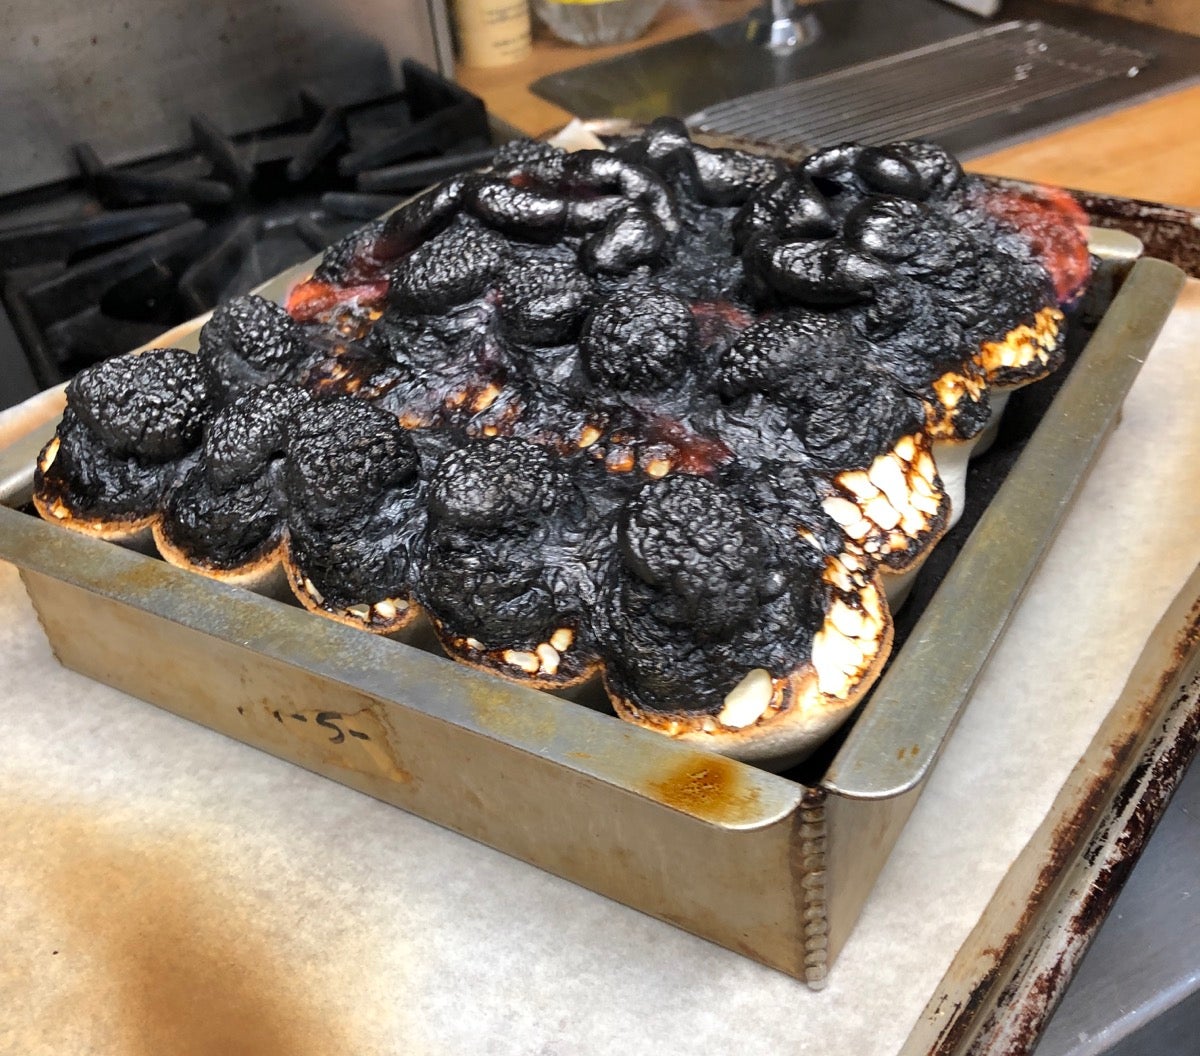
(671, 403)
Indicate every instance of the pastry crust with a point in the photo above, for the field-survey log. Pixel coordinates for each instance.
(386, 616)
(262, 573)
(798, 710)
(544, 665)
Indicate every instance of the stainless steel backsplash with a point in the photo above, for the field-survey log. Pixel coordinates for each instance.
(125, 75)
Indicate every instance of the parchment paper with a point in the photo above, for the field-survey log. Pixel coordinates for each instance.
(164, 890)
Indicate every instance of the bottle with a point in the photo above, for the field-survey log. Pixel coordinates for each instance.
(492, 32)
(591, 22)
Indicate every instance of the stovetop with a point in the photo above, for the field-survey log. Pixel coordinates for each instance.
(103, 263)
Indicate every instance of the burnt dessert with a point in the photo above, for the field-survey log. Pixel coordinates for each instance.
(355, 513)
(764, 644)
(677, 416)
(130, 428)
(511, 560)
(251, 342)
(226, 515)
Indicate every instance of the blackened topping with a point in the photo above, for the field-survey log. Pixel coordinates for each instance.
(785, 494)
(152, 406)
(355, 505)
(502, 482)
(591, 213)
(846, 414)
(691, 540)
(908, 335)
(639, 340)
(892, 229)
(889, 171)
(526, 213)
(715, 176)
(599, 171)
(91, 481)
(249, 434)
(766, 355)
(456, 267)
(343, 453)
(938, 169)
(545, 303)
(821, 274)
(729, 177)
(229, 509)
(661, 146)
(251, 341)
(790, 207)
(530, 158)
(222, 527)
(631, 238)
(495, 590)
(833, 170)
(493, 566)
(355, 258)
(419, 220)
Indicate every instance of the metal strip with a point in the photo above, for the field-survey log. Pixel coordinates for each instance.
(1034, 934)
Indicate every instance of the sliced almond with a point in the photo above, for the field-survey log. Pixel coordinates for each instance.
(847, 620)
(748, 701)
(841, 510)
(527, 662)
(589, 435)
(882, 512)
(836, 659)
(887, 474)
(51, 454)
(485, 398)
(548, 658)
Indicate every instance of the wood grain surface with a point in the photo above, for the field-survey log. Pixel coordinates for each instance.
(1149, 150)
(1183, 15)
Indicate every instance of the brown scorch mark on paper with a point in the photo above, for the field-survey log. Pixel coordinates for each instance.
(173, 957)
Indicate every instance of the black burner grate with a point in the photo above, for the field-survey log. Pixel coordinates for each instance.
(91, 269)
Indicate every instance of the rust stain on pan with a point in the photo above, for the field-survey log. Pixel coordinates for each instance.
(1169, 232)
(708, 787)
(1148, 787)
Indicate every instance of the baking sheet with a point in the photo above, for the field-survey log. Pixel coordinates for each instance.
(203, 897)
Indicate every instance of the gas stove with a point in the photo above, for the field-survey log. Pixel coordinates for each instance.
(99, 264)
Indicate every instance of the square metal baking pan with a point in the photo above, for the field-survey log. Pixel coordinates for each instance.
(774, 868)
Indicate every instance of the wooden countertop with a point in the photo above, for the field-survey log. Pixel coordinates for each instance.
(1147, 150)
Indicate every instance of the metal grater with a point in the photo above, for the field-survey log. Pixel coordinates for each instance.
(925, 91)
